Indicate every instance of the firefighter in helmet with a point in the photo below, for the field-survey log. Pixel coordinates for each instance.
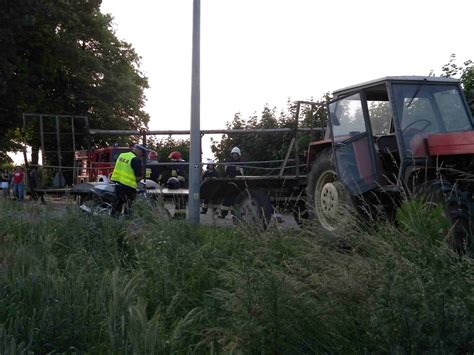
(232, 169)
(178, 170)
(176, 181)
(210, 172)
(153, 170)
(127, 173)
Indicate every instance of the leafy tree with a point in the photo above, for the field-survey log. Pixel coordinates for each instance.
(167, 145)
(62, 56)
(465, 73)
(257, 147)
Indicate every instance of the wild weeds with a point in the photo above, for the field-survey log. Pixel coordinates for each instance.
(76, 283)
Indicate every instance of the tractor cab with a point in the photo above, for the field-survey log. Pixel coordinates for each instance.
(387, 131)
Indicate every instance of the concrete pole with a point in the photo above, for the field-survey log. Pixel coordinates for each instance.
(195, 151)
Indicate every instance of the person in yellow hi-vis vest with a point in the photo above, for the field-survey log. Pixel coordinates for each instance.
(127, 173)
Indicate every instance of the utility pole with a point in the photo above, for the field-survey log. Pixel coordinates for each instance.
(195, 149)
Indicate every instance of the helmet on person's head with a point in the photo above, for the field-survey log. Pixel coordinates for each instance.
(173, 183)
(210, 163)
(175, 155)
(235, 150)
(153, 155)
(141, 148)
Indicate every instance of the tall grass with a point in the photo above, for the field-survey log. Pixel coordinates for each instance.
(72, 283)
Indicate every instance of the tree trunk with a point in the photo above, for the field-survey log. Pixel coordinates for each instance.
(34, 155)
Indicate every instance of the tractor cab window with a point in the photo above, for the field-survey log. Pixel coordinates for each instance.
(380, 113)
(347, 117)
(451, 105)
(426, 109)
(380, 117)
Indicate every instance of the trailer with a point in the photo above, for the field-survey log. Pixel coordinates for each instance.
(256, 198)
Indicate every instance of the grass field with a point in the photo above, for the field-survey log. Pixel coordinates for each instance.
(76, 283)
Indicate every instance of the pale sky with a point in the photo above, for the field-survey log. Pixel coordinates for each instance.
(255, 52)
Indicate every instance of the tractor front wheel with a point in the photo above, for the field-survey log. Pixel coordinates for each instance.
(327, 197)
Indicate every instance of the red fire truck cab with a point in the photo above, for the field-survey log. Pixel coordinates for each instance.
(97, 164)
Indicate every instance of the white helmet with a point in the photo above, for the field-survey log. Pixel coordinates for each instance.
(235, 150)
(210, 162)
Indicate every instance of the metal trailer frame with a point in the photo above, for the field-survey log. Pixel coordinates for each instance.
(57, 119)
(281, 188)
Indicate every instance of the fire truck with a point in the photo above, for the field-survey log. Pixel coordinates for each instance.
(98, 164)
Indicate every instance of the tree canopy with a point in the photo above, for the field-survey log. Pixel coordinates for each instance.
(465, 73)
(272, 146)
(63, 57)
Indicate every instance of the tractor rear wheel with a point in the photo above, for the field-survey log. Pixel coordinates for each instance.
(328, 199)
(458, 209)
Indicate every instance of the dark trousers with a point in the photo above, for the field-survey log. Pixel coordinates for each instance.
(227, 204)
(34, 195)
(123, 195)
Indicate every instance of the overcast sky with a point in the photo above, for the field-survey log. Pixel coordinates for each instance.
(255, 52)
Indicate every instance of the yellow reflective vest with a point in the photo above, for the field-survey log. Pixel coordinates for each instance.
(123, 171)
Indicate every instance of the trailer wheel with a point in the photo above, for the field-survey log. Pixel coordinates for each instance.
(327, 196)
(253, 208)
(458, 209)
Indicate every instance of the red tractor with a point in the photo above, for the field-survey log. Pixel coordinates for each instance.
(393, 138)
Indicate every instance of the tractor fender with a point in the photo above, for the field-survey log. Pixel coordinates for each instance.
(315, 148)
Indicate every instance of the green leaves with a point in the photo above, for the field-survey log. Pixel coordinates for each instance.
(465, 73)
(63, 57)
(268, 146)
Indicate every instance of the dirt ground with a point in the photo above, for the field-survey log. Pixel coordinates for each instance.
(283, 221)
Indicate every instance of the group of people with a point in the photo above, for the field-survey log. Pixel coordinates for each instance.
(230, 171)
(14, 182)
(128, 172)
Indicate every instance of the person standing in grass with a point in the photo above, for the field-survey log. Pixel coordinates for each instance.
(5, 180)
(19, 184)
